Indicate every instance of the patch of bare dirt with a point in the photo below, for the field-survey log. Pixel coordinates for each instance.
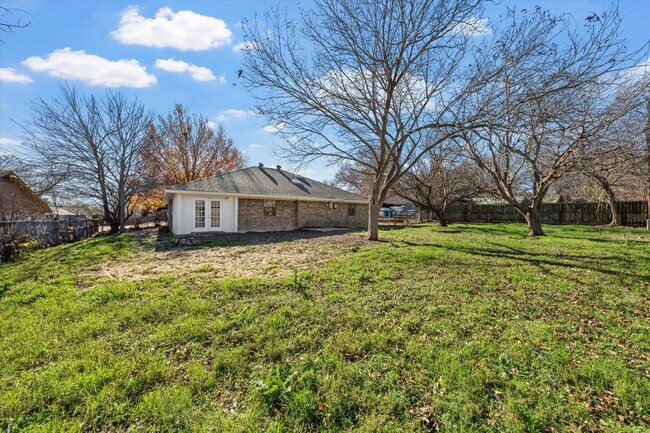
(267, 255)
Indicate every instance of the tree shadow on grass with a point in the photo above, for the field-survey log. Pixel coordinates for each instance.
(542, 261)
(520, 232)
(606, 241)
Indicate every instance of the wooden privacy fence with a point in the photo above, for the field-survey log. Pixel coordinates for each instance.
(397, 220)
(46, 233)
(633, 213)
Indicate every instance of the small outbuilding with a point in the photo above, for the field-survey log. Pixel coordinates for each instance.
(261, 199)
(79, 210)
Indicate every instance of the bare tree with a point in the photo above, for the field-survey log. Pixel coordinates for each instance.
(559, 88)
(354, 177)
(97, 141)
(442, 178)
(43, 177)
(363, 82)
(8, 23)
(613, 160)
(7, 161)
(127, 122)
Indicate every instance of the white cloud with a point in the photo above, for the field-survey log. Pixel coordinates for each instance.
(321, 174)
(11, 76)
(244, 46)
(474, 27)
(198, 73)
(234, 114)
(5, 141)
(211, 125)
(640, 69)
(293, 139)
(222, 79)
(92, 69)
(255, 149)
(182, 30)
(274, 128)
(340, 84)
(636, 73)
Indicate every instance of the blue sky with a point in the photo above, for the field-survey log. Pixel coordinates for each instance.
(167, 52)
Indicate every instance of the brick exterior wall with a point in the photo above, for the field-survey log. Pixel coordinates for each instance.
(15, 202)
(292, 215)
(318, 214)
(250, 215)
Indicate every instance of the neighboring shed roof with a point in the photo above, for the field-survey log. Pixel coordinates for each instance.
(266, 182)
(81, 210)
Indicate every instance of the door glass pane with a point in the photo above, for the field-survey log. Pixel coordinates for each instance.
(199, 213)
(215, 213)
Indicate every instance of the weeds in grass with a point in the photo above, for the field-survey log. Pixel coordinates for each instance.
(4, 288)
(298, 283)
(503, 366)
(365, 277)
(276, 389)
(23, 422)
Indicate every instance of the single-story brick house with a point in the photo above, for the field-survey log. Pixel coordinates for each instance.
(261, 199)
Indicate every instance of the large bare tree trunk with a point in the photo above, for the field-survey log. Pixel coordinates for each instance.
(373, 220)
(121, 211)
(534, 222)
(374, 204)
(442, 218)
(612, 203)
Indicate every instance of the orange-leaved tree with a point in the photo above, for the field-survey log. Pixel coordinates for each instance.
(183, 147)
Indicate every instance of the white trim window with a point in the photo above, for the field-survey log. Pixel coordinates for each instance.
(215, 214)
(199, 214)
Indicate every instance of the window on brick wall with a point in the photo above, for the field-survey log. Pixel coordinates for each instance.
(352, 210)
(332, 205)
(270, 208)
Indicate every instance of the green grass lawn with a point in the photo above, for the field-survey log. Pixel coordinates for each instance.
(479, 330)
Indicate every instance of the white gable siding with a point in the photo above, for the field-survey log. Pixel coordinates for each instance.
(176, 217)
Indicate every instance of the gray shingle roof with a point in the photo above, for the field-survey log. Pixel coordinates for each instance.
(264, 181)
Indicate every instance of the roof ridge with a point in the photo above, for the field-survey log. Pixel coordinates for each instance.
(210, 177)
(267, 180)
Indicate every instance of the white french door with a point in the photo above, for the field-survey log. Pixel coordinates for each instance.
(207, 215)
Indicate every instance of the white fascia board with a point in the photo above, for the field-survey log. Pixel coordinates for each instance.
(263, 197)
(168, 195)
